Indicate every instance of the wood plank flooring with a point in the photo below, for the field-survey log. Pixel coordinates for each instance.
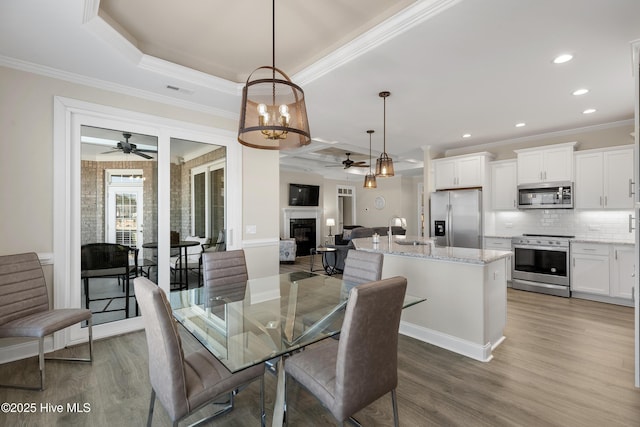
(565, 362)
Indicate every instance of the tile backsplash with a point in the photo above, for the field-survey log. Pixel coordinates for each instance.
(606, 225)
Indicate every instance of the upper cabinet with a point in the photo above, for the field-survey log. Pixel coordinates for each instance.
(604, 179)
(460, 171)
(547, 164)
(504, 192)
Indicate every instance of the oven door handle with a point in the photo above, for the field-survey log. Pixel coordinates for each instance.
(542, 248)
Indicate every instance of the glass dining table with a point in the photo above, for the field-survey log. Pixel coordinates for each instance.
(265, 318)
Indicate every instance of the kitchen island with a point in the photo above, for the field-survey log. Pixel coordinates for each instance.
(465, 291)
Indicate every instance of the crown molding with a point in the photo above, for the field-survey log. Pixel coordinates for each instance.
(113, 87)
(404, 20)
(189, 75)
(541, 136)
(125, 45)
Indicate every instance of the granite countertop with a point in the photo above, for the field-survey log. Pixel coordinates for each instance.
(582, 239)
(427, 250)
(602, 241)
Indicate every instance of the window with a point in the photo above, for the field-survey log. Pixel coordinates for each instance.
(208, 199)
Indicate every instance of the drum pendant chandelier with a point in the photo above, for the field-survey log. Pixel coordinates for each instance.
(273, 114)
(384, 165)
(370, 178)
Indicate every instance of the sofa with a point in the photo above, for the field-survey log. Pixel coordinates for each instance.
(343, 242)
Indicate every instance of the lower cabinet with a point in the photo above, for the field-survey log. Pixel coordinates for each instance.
(623, 272)
(500, 244)
(602, 270)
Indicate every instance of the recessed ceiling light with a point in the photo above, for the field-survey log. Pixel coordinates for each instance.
(466, 135)
(520, 125)
(561, 59)
(589, 111)
(579, 92)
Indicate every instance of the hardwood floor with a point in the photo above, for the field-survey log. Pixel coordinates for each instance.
(565, 362)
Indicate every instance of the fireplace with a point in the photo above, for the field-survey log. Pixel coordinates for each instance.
(304, 231)
(302, 224)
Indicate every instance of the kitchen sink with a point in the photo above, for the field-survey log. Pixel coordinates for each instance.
(411, 242)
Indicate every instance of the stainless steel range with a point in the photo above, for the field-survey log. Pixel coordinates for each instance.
(541, 264)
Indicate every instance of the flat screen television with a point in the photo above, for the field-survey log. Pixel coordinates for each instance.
(303, 195)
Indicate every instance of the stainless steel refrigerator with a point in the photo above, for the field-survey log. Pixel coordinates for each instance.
(456, 218)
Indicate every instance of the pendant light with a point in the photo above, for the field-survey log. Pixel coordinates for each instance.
(370, 178)
(384, 165)
(273, 114)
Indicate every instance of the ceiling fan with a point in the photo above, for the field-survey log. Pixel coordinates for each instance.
(350, 163)
(129, 148)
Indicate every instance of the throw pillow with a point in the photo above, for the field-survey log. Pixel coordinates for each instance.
(346, 235)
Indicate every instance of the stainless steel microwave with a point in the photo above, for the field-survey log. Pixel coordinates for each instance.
(547, 195)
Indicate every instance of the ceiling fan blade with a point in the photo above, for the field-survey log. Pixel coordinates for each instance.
(115, 150)
(360, 166)
(138, 153)
(144, 150)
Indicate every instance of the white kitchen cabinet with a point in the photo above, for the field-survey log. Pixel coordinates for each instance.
(618, 178)
(460, 171)
(500, 244)
(590, 268)
(549, 164)
(603, 272)
(504, 185)
(603, 179)
(623, 271)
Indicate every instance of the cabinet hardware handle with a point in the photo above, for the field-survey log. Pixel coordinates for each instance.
(600, 200)
(631, 227)
(605, 200)
(631, 184)
(615, 254)
(514, 203)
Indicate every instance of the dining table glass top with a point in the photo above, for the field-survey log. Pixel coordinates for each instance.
(263, 318)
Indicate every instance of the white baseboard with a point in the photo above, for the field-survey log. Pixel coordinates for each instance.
(451, 343)
(23, 350)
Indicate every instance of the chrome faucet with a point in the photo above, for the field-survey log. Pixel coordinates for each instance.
(395, 221)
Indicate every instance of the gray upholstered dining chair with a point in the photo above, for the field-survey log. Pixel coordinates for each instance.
(362, 266)
(25, 312)
(347, 375)
(359, 267)
(184, 384)
(225, 274)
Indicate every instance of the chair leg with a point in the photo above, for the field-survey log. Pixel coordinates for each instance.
(151, 403)
(263, 416)
(284, 404)
(42, 358)
(41, 361)
(394, 402)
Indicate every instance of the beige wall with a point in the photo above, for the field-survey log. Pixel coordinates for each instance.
(260, 207)
(26, 156)
(400, 195)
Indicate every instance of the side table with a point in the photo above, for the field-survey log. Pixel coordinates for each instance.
(329, 268)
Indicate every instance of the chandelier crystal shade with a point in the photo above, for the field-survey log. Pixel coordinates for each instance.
(384, 165)
(273, 115)
(370, 178)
